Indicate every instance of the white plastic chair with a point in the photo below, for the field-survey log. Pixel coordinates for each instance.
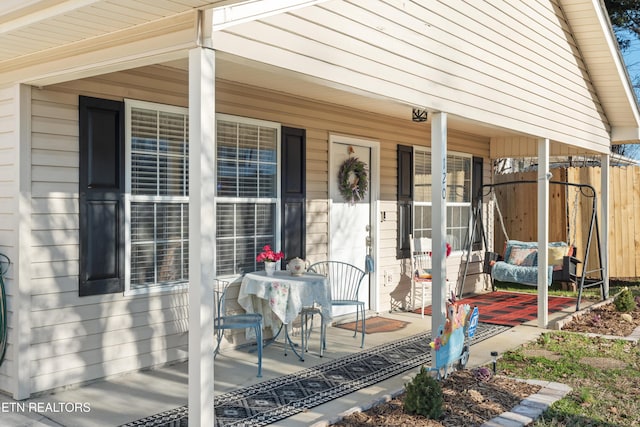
(420, 268)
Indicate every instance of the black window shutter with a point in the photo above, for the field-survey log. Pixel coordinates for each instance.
(405, 199)
(101, 191)
(293, 192)
(476, 183)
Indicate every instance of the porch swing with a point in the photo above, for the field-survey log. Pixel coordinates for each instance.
(518, 262)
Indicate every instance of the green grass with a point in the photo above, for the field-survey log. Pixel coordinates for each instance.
(556, 289)
(604, 397)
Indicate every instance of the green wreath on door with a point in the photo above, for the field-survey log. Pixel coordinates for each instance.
(353, 181)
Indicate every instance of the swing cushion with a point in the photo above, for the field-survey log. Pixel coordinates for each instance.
(423, 273)
(506, 272)
(525, 257)
(521, 265)
(555, 255)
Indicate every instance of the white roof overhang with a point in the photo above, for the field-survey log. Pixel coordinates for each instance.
(606, 68)
(44, 42)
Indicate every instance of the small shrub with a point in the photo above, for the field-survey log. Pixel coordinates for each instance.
(624, 301)
(424, 396)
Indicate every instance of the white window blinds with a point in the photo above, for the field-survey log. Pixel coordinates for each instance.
(246, 193)
(158, 208)
(458, 197)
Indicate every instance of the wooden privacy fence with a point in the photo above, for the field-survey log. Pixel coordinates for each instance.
(570, 214)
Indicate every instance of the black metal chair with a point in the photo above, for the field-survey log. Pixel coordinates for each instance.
(224, 321)
(345, 280)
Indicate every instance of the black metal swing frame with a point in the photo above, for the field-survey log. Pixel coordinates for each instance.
(569, 270)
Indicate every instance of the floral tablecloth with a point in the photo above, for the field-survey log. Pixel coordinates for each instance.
(279, 298)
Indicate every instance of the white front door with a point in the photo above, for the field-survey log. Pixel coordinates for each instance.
(351, 237)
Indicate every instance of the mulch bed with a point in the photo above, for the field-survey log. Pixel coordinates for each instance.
(604, 320)
(467, 402)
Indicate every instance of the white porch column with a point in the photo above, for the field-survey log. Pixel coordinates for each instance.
(438, 219)
(604, 223)
(21, 294)
(543, 231)
(201, 234)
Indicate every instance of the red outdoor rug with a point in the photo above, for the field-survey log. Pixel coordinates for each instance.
(510, 308)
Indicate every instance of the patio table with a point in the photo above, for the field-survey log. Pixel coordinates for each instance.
(279, 298)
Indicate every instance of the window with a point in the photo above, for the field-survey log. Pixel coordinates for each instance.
(458, 197)
(247, 192)
(157, 200)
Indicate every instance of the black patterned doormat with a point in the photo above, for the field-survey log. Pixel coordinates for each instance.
(269, 401)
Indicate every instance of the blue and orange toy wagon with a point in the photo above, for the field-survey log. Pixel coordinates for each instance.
(453, 339)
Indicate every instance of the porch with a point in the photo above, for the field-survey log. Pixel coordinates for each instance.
(339, 74)
(132, 397)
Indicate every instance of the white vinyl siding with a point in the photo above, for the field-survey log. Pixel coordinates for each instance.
(9, 228)
(476, 61)
(79, 339)
(247, 192)
(458, 197)
(9, 167)
(157, 186)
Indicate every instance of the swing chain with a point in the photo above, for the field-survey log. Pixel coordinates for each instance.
(497, 207)
(575, 217)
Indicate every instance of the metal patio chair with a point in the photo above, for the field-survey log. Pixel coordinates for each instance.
(345, 280)
(224, 321)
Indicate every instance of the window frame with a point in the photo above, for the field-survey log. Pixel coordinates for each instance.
(277, 200)
(129, 199)
(415, 203)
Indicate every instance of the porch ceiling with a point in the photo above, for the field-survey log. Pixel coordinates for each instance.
(29, 27)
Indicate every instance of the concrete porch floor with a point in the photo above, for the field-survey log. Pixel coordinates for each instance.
(131, 397)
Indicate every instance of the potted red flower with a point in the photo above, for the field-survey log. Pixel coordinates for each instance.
(448, 250)
(269, 257)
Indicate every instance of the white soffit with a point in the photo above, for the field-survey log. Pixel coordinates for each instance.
(29, 27)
